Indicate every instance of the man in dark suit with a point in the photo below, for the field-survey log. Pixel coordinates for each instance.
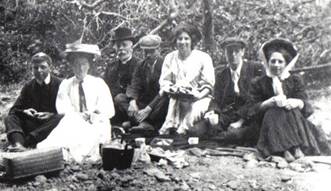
(33, 116)
(149, 108)
(232, 87)
(119, 73)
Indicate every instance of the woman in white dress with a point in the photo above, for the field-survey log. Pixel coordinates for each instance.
(87, 106)
(188, 78)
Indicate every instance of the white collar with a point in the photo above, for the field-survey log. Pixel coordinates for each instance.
(77, 80)
(126, 60)
(238, 70)
(47, 80)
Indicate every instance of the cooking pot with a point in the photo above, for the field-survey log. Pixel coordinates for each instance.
(117, 157)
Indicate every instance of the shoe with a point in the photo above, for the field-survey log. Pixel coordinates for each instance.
(117, 132)
(126, 125)
(16, 148)
(142, 128)
(298, 153)
(288, 156)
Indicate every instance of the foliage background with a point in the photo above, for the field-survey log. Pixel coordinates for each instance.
(29, 26)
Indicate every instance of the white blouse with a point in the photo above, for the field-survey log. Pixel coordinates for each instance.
(97, 95)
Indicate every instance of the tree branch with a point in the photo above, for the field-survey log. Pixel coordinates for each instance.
(86, 5)
(111, 14)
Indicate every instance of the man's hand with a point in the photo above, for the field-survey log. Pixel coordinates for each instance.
(143, 114)
(30, 112)
(133, 108)
(86, 116)
(237, 124)
(43, 115)
(212, 117)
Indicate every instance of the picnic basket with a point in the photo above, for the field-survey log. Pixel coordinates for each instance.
(31, 163)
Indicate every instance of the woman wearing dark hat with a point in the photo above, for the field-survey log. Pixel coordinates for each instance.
(281, 105)
(87, 106)
(188, 78)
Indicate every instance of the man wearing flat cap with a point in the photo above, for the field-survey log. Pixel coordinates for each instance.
(148, 107)
(33, 116)
(232, 86)
(118, 74)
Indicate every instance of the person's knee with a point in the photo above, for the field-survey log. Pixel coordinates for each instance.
(7, 119)
(120, 98)
(199, 129)
(12, 123)
(57, 117)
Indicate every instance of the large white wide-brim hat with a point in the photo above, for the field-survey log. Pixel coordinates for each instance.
(83, 48)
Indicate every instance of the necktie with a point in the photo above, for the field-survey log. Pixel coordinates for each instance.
(82, 100)
(235, 79)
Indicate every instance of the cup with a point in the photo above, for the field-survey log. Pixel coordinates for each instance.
(193, 140)
(139, 141)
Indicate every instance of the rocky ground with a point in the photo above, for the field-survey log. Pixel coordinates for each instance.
(204, 169)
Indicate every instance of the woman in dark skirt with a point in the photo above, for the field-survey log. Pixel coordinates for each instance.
(279, 103)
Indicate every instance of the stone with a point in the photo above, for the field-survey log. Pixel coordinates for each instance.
(251, 163)
(73, 187)
(282, 165)
(92, 188)
(212, 187)
(159, 175)
(184, 186)
(101, 174)
(286, 177)
(296, 167)
(196, 152)
(266, 164)
(277, 159)
(162, 162)
(233, 184)
(195, 175)
(249, 156)
(76, 168)
(41, 179)
(82, 176)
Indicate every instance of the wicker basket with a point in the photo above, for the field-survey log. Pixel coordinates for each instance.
(34, 162)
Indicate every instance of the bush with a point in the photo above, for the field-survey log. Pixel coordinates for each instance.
(47, 25)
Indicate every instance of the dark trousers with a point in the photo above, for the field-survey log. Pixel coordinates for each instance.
(158, 113)
(121, 104)
(33, 130)
(155, 118)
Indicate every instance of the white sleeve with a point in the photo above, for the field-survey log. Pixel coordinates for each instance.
(104, 103)
(166, 78)
(63, 103)
(207, 73)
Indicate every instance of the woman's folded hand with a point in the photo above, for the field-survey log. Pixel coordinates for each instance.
(293, 103)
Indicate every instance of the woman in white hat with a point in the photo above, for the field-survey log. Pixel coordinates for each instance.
(281, 106)
(87, 106)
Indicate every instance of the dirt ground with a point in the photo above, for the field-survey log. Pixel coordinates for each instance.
(204, 171)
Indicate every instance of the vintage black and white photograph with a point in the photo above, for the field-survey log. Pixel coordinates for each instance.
(165, 95)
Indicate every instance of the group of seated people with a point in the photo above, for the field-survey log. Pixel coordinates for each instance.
(261, 105)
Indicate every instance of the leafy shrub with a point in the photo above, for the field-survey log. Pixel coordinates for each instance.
(30, 26)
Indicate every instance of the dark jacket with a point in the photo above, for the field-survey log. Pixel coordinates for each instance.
(39, 97)
(262, 90)
(145, 86)
(225, 97)
(118, 76)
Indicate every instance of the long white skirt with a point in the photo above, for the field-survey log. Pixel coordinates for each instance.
(80, 138)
